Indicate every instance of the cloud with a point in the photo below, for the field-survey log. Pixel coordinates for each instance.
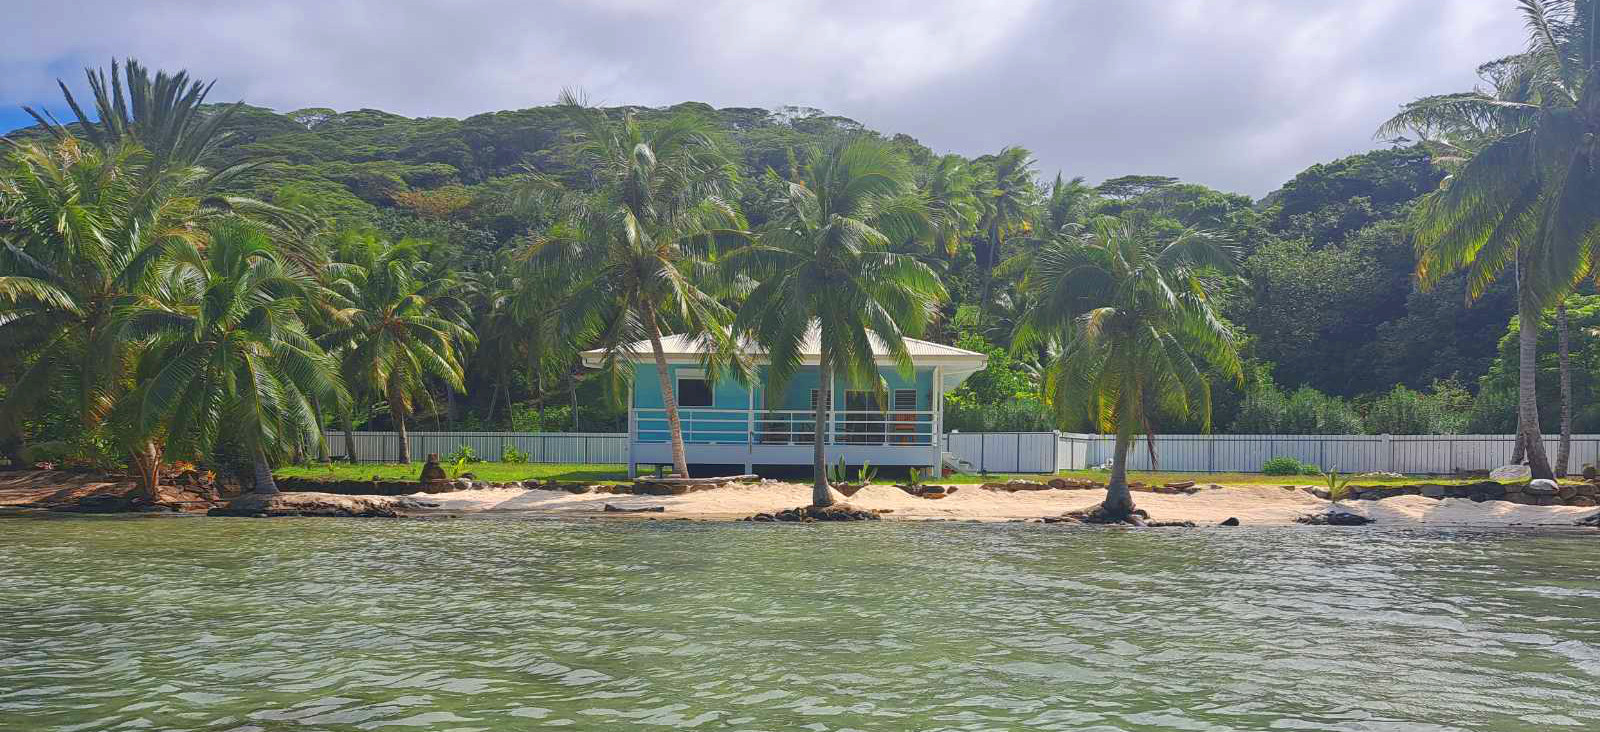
(1237, 94)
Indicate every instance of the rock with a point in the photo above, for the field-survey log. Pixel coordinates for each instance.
(469, 475)
(1542, 487)
(1058, 484)
(934, 495)
(317, 504)
(609, 508)
(1511, 472)
(1170, 524)
(1334, 516)
(1181, 484)
(1434, 491)
(1592, 519)
(1589, 472)
(431, 470)
(1319, 492)
(836, 512)
(1213, 487)
(1584, 501)
(1230, 521)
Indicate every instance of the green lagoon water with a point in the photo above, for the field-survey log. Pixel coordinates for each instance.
(505, 624)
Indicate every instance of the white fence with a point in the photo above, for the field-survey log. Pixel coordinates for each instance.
(1422, 454)
(1046, 452)
(541, 447)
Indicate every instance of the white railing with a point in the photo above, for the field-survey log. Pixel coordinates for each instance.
(540, 447)
(715, 426)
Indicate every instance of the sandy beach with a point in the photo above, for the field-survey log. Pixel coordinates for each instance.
(1252, 505)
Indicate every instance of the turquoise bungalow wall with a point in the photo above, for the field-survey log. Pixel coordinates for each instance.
(709, 425)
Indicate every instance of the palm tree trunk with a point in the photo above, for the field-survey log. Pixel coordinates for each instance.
(147, 463)
(322, 432)
(1528, 315)
(1564, 448)
(349, 437)
(265, 485)
(539, 385)
(820, 494)
(680, 459)
(1118, 504)
(494, 399)
(572, 396)
(397, 415)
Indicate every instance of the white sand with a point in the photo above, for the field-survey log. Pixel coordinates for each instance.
(1253, 505)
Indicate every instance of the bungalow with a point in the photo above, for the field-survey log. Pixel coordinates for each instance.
(726, 422)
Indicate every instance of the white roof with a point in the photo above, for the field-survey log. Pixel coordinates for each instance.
(958, 362)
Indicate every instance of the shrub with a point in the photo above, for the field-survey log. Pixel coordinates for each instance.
(1267, 410)
(463, 454)
(510, 454)
(1283, 466)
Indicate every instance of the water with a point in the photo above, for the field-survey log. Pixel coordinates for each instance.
(491, 624)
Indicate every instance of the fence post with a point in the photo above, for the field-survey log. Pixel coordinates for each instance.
(1211, 453)
(1388, 453)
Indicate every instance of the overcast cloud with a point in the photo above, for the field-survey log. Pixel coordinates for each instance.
(1236, 94)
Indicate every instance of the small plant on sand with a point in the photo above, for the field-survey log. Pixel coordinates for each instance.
(459, 467)
(914, 477)
(1338, 485)
(867, 474)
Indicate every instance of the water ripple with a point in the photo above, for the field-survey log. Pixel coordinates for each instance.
(487, 624)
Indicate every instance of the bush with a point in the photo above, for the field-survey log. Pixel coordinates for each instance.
(1402, 411)
(1286, 466)
(1305, 411)
(510, 454)
(463, 454)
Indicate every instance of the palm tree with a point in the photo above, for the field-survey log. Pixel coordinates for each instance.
(165, 115)
(1528, 165)
(634, 252)
(229, 352)
(824, 265)
(398, 325)
(83, 230)
(951, 186)
(1006, 196)
(1133, 319)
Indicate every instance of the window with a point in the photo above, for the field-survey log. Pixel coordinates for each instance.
(905, 400)
(693, 390)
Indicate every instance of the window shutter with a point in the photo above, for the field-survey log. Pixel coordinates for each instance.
(814, 400)
(905, 400)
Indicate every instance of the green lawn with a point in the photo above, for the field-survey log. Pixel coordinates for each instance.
(1158, 478)
(506, 472)
(492, 472)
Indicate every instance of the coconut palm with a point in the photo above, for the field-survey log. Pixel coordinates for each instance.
(1527, 165)
(83, 229)
(165, 115)
(1006, 196)
(1133, 319)
(951, 187)
(824, 263)
(634, 252)
(398, 324)
(228, 355)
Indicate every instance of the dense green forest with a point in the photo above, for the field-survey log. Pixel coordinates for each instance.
(1332, 321)
(1330, 304)
(419, 246)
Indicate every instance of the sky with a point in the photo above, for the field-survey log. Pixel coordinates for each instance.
(1236, 94)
